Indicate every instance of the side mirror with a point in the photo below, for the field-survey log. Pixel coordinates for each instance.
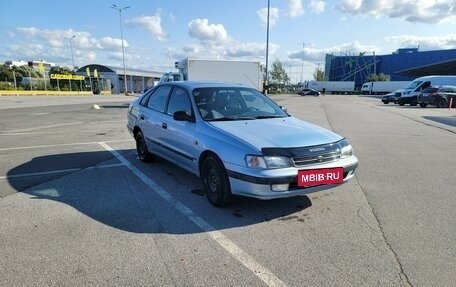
(182, 116)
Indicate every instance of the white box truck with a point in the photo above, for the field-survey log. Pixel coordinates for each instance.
(410, 93)
(382, 87)
(248, 73)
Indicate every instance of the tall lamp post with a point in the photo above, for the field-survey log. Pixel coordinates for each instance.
(71, 48)
(302, 61)
(114, 6)
(266, 88)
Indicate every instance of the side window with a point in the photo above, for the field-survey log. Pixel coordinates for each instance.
(179, 101)
(146, 97)
(157, 100)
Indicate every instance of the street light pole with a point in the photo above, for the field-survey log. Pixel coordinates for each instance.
(267, 52)
(71, 48)
(114, 6)
(302, 60)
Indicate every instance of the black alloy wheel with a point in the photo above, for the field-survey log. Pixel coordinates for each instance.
(141, 148)
(215, 182)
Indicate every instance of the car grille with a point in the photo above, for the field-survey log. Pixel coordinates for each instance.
(304, 156)
(314, 159)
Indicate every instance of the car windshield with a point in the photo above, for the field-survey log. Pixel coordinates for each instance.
(413, 85)
(228, 104)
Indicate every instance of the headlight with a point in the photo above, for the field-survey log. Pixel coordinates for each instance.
(267, 162)
(346, 149)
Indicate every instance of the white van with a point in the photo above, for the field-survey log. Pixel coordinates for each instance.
(412, 90)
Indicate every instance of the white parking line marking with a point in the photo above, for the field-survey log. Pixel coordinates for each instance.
(32, 174)
(261, 272)
(45, 127)
(59, 145)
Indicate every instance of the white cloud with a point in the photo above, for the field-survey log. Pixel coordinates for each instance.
(295, 8)
(311, 54)
(113, 44)
(423, 11)
(251, 50)
(152, 24)
(273, 16)
(202, 30)
(317, 6)
(424, 43)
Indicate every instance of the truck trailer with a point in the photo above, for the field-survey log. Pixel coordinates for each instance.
(242, 72)
(382, 87)
(330, 87)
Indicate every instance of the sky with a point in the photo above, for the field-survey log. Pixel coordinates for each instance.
(157, 33)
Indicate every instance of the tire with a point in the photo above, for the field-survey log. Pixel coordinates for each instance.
(141, 148)
(401, 104)
(413, 101)
(385, 102)
(215, 182)
(423, 105)
(443, 103)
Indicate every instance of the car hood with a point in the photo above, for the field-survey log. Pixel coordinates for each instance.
(280, 132)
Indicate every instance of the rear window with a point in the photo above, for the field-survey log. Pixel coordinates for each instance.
(430, 90)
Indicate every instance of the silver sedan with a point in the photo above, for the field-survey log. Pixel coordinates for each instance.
(238, 141)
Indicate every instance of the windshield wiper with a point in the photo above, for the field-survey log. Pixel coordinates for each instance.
(232, 119)
(269, 116)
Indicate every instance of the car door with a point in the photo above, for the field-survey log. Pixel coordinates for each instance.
(179, 139)
(151, 118)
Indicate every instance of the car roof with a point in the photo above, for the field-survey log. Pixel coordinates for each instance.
(204, 84)
(446, 86)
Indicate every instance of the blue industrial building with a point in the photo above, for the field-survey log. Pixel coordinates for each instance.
(403, 65)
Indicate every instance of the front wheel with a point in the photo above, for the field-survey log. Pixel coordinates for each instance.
(423, 105)
(141, 148)
(413, 101)
(215, 182)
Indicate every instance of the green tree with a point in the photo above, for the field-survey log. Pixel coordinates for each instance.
(319, 75)
(278, 74)
(7, 74)
(378, 78)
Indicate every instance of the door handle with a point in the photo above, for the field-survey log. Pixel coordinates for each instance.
(164, 125)
(141, 117)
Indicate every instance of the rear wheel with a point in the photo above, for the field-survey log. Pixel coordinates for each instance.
(141, 147)
(215, 182)
(443, 103)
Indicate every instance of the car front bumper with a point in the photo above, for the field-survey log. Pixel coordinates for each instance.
(260, 185)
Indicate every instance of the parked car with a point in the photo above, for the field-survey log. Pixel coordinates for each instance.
(437, 96)
(425, 96)
(238, 141)
(309, 92)
(389, 98)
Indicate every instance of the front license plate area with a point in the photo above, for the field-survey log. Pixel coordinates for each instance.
(313, 177)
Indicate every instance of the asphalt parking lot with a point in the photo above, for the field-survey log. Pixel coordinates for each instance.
(77, 208)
